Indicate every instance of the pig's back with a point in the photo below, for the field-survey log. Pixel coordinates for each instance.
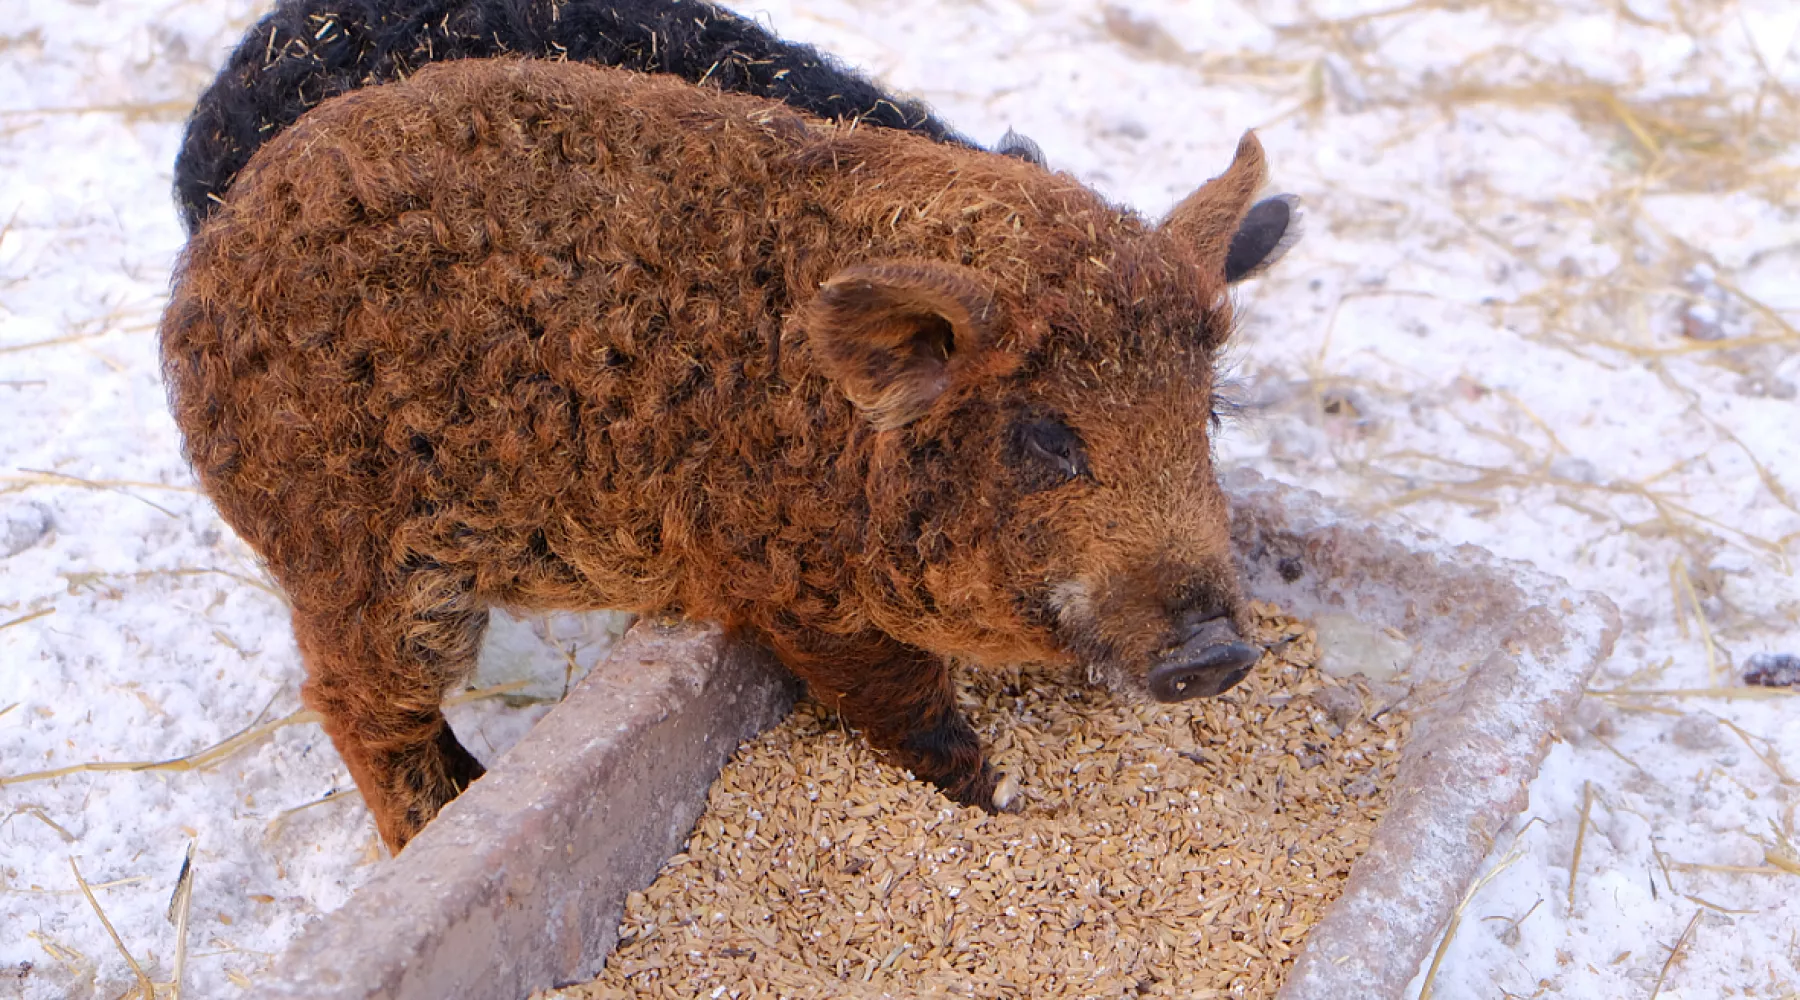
(514, 316)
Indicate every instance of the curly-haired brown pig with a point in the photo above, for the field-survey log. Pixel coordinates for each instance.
(548, 335)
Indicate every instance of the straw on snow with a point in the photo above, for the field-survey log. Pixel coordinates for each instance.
(236, 742)
(1674, 954)
(1587, 806)
(1456, 916)
(179, 904)
(146, 990)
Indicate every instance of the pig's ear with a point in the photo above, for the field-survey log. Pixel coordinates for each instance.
(1268, 231)
(892, 334)
(1221, 227)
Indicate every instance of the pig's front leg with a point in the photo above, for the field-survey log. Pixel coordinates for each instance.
(902, 700)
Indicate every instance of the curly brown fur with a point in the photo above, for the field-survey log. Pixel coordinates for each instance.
(543, 335)
(305, 51)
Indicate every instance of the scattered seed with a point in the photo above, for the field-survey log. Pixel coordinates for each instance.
(1158, 850)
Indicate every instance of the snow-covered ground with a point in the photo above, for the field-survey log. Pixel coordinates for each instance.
(1547, 303)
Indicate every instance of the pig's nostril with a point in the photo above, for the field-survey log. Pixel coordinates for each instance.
(1209, 671)
(1196, 618)
(1211, 628)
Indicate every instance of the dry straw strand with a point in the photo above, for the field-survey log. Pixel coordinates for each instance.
(194, 761)
(179, 905)
(22, 619)
(1437, 958)
(1763, 751)
(145, 990)
(77, 480)
(1721, 693)
(281, 818)
(114, 884)
(1706, 636)
(1694, 866)
(1675, 953)
(148, 110)
(1587, 805)
(231, 744)
(37, 813)
(1783, 854)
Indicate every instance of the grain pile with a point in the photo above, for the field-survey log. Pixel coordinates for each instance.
(1162, 850)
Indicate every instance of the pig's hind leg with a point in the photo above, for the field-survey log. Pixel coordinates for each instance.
(377, 671)
(903, 701)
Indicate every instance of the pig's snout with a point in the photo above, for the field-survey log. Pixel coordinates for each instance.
(1211, 659)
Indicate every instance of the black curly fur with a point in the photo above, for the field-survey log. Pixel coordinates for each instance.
(305, 51)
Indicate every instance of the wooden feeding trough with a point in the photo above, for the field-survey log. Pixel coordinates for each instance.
(520, 884)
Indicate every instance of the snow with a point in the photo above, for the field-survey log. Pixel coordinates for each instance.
(1545, 305)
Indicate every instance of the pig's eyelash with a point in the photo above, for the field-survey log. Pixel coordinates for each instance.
(1228, 400)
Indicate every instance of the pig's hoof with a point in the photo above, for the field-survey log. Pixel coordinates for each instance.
(1006, 795)
(976, 790)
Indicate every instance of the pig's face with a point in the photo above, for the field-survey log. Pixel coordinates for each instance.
(1047, 491)
(1120, 515)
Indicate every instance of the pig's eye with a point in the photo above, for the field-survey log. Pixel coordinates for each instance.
(1052, 453)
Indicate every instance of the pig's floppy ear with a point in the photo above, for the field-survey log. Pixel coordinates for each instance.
(1224, 230)
(893, 333)
(1268, 231)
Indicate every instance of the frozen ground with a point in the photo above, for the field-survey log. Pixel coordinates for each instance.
(1547, 303)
